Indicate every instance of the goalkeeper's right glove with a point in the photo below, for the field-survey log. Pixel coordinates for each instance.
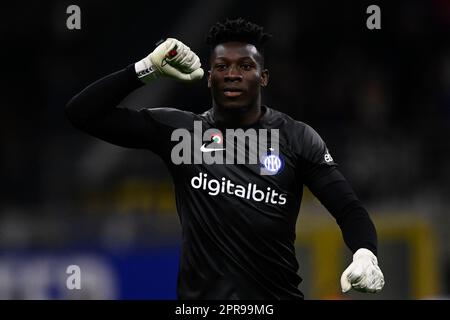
(171, 58)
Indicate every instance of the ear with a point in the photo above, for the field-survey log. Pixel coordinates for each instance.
(209, 78)
(264, 80)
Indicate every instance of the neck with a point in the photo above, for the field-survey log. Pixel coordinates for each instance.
(237, 117)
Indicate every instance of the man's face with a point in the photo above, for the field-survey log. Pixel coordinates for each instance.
(236, 75)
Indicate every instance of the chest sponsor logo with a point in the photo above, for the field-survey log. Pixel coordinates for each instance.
(249, 191)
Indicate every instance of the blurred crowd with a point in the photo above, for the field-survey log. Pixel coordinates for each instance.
(379, 98)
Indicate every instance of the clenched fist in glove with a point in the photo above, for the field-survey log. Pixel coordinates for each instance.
(171, 58)
(363, 274)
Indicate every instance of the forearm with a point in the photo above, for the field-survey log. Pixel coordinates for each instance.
(95, 109)
(357, 228)
(336, 194)
(87, 109)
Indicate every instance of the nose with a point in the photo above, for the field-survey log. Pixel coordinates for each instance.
(233, 74)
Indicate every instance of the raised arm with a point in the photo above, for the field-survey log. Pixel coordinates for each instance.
(96, 110)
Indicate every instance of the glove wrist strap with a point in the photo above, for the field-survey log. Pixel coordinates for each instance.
(146, 71)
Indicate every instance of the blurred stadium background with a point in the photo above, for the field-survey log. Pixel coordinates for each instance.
(380, 99)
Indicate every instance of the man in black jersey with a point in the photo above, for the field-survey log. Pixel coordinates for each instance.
(237, 204)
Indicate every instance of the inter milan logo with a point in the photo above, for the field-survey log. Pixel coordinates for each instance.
(271, 164)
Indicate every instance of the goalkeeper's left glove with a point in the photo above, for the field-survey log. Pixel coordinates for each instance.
(170, 58)
(363, 274)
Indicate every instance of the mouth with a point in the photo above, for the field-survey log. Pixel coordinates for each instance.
(232, 92)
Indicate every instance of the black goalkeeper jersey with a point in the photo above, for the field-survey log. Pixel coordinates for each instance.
(238, 219)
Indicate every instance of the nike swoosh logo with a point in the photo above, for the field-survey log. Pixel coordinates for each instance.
(204, 149)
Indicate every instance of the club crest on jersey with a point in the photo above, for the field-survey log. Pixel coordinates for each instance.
(271, 163)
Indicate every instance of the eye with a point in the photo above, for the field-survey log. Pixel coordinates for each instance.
(220, 66)
(246, 66)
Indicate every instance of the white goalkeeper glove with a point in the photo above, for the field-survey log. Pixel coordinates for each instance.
(363, 274)
(170, 58)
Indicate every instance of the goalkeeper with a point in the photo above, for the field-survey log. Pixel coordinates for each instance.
(235, 243)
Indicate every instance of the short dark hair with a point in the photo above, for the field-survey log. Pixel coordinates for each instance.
(239, 30)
